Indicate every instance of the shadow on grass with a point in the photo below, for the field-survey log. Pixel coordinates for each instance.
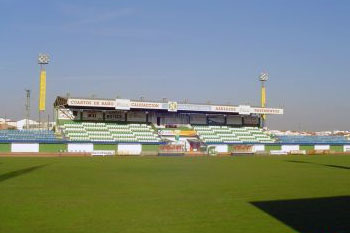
(297, 161)
(20, 172)
(326, 165)
(336, 166)
(314, 215)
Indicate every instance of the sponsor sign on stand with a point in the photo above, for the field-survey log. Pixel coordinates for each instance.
(91, 103)
(172, 106)
(122, 104)
(146, 105)
(224, 108)
(126, 104)
(244, 109)
(276, 111)
(194, 107)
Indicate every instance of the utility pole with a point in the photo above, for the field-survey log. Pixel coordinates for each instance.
(48, 121)
(27, 107)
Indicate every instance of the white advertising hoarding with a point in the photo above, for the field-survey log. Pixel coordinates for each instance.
(91, 103)
(172, 106)
(127, 104)
(346, 148)
(146, 105)
(194, 107)
(81, 147)
(244, 109)
(25, 147)
(122, 104)
(289, 148)
(129, 149)
(221, 148)
(219, 108)
(275, 111)
(322, 147)
(258, 148)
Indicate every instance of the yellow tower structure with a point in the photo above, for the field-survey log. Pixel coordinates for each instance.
(43, 60)
(263, 78)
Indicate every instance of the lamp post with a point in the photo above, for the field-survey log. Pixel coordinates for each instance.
(263, 77)
(43, 60)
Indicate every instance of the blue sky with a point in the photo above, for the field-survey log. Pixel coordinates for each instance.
(195, 50)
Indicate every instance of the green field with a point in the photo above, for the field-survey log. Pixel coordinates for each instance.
(174, 194)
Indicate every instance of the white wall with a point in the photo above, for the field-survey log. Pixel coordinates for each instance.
(221, 148)
(322, 147)
(259, 148)
(25, 147)
(288, 148)
(81, 147)
(129, 149)
(346, 148)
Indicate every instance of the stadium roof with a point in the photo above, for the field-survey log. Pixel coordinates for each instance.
(170, 106)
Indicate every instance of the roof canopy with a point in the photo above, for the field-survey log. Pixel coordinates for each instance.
(170, 106)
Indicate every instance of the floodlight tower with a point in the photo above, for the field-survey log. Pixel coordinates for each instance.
(263, 77)
(43, 60)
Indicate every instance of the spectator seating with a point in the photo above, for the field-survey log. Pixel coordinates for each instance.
(227, 134)
(311, 139)
(109, 132)
(28, 135)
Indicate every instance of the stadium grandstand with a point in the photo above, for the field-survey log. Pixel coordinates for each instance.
(123, 126)
(123, 120)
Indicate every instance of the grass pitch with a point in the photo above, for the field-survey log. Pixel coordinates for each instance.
(175, 194)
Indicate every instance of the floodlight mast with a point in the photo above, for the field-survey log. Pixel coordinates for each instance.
(263, 77)
(43, 60)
